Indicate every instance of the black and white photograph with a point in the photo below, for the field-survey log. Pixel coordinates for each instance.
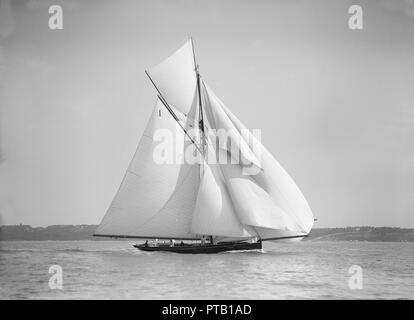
(206, 150)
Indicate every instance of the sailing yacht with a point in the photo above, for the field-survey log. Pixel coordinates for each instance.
(207, 205)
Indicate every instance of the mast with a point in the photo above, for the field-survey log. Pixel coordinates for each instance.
(201, 114)
(167, 106)
(201, 122)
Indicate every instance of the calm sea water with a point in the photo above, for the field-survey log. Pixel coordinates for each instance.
(116, 270)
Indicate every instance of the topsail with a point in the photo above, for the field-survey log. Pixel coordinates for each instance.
(175, 77)
(248, 196)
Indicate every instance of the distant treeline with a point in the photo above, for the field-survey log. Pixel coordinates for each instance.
(85, 232)
(362, 234)
(57, 232)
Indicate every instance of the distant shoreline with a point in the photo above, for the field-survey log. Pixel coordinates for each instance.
(85, 232)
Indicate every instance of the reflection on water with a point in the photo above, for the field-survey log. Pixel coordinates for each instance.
(114, 269)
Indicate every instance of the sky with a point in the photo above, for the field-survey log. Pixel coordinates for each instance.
(335, 106)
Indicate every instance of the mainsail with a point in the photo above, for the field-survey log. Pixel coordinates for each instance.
(155, 200)
(249, 196)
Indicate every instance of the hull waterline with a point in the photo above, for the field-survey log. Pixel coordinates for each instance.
(207, 248)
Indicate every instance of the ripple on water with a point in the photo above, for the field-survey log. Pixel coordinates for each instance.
(111, 269)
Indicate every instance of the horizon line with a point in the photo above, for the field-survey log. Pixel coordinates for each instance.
(323, 227)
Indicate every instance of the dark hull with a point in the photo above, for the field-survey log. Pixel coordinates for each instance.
(206, 248)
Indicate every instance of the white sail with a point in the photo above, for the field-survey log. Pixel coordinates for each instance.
(280, 186)
(234, 145)
(270, 199)
(175, 78)
(253, 204)
(155, 200)
(214, 212)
